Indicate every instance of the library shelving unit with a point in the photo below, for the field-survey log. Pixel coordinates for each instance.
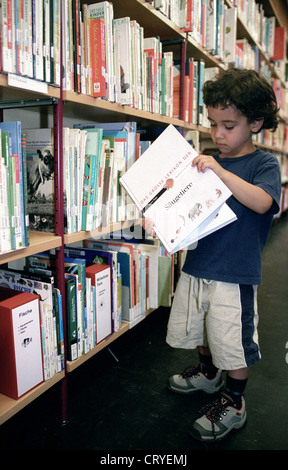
(75, 105)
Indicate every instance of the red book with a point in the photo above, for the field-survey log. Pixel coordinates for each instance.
(188, 18)
(280, 38)
(97, 56)
(100, 275)
(21, 360)
(190, 107)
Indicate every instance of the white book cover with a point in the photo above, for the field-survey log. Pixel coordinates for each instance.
(166, 188)
(122, 35)
(230, 35)
(27, 344)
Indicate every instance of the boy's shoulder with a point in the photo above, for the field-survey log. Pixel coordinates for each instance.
(256, 157)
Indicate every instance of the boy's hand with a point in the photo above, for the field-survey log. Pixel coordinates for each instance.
(148, 225)
(207, 161)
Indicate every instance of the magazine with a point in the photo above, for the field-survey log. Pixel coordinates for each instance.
(180, 200)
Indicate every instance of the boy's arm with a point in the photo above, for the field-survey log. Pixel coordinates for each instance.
(251, 196)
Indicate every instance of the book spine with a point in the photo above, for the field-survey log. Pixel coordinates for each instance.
(72, 337)
(97, 57)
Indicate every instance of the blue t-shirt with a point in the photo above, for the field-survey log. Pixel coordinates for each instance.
(233, 253)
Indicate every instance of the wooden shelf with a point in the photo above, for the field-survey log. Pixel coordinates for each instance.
(8, 93)
(72, 365)
(107, 111)
(9, 407)
(99, 232)
(39, 241)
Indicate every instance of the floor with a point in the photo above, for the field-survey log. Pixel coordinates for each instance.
(123, 404)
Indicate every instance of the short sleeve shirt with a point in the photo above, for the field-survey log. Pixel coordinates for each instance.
(233, 253)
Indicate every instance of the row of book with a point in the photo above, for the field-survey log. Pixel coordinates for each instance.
(209, 22)
(110, 58)
(30, 39)
(196, 73)
(14, 231)
(51, 321)
(30, 45)
(95, 156)
(277, 140)
(106, 282)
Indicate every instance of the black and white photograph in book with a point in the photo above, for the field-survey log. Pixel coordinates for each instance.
(40, 179)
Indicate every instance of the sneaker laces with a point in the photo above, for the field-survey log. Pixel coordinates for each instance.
(192, 371)
(215, 410)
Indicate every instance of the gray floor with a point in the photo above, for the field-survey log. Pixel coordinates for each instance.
(125, 405)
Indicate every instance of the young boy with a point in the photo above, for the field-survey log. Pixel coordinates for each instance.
(215, 304)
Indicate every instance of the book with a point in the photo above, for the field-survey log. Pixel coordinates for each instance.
(100, 276)
(97, 56)
(71, 324)
(21, 360)
(76, 267)
(14, 128)
(230, 35)
(122, 34)
(174, 195)
(40, 179)
(280, 40)
(104, 10)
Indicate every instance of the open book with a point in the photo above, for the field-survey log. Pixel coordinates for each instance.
(182, 202)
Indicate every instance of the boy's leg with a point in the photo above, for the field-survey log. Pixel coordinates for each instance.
(232, 333)
(205, 377)
(226, 413)
(186, 330)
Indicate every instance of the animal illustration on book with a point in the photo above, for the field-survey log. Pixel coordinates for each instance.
(124, 86)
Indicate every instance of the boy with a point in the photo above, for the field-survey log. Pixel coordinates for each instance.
(215, 303)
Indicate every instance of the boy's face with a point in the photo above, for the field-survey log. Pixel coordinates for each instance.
(231, 132)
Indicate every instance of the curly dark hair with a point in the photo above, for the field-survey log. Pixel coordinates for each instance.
(249, 91)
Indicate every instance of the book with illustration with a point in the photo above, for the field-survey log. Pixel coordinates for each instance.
(180, 200)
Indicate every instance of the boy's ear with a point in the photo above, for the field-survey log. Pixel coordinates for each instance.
(257, 124)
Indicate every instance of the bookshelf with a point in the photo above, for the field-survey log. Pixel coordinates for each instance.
(62, 104)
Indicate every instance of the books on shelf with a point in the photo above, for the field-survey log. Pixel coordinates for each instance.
(138, 265)
(30, 39)
(20, 343)
(175, 195)
(116, 62)
(13, 201)
(38, 281)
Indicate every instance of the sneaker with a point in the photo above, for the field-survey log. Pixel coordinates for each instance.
(193, 380)
(220, 418)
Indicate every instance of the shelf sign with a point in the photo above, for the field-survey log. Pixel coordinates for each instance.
(26, 83)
